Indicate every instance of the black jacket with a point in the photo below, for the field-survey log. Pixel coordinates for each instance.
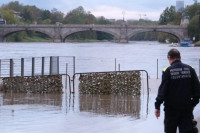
(180, 87)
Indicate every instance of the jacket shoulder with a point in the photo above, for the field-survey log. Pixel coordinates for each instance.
(165, 69)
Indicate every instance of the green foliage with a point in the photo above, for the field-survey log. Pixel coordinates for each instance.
(26, 36)
(193, 10)
(56, 16)
(15, 6)
(104, 36)
(197, 43)
(9, 16)
(46, 14)
(31, 14)
(170, 16)
(17, 37)
(193, 27)
(102, 20)
(79, 16)
(47, 21)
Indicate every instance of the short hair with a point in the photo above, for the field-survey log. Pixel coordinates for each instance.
(174, 54)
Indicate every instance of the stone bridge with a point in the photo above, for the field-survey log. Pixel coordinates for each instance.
(121, 33)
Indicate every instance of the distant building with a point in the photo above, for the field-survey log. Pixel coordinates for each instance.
(16, 14)
(185, 19)
(179, 6)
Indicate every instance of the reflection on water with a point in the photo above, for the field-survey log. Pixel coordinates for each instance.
(22, 113)
(98, 104)
(23, 98)
(110, 104)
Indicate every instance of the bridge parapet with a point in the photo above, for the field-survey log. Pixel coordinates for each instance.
(120, 32)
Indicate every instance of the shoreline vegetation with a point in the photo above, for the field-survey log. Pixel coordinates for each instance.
(197, 44)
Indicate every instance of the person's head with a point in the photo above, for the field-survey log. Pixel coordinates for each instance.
(173, 55)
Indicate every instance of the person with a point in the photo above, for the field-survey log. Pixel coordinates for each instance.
(180, 92)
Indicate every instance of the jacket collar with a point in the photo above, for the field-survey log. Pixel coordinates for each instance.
(176, 61)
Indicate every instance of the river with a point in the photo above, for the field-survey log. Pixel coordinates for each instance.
(61, 113)
(100, 56)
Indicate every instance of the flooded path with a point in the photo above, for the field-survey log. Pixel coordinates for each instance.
(53, 113)
(64, 113)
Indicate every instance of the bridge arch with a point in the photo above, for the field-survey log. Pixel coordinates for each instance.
(6, 34)
(134, 32)
(68, 33)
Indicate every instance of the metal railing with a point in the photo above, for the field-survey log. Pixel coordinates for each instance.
(147, 77)
(36, 66)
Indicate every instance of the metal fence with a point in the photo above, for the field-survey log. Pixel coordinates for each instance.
(36, 66)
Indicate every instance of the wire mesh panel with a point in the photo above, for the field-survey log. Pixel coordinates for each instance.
(38, 66)
(35, 66)
(67, 65)
(27, 66)
(5, 68)
(17, 67)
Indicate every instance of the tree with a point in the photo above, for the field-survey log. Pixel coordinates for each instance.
(79, 16)
(46, 14)
(47, 21)
(56, 16)
(169, 15)
(193, 10)
(16, 6)
(103, 20)
(9, 16)
(193, 27)
(31, 14)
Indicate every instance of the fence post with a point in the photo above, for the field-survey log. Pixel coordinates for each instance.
(66, 76)
(119, 67)
(11, 68)
(43, 60)
(115, 64)
(74, 63)
(0, 67)
(66, 68)
(54, 65)
(157, 68)
(33, 66)
(58, 65)
(22, 66)
(50, 65)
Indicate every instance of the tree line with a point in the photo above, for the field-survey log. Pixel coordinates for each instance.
(16, 13)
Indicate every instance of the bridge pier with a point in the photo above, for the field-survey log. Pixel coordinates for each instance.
(123, 39)
(57, 39)
(2, 39)
(123, 34)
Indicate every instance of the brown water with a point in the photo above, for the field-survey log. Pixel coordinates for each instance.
(75, 113)
(64, 113)
(22, 113)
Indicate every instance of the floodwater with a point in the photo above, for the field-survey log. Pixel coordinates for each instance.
(75, 113)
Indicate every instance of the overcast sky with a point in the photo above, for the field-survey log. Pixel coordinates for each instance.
(111, 9)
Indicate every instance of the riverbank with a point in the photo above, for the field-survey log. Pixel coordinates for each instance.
(29, 39)
(197, 44)
(87, 40)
